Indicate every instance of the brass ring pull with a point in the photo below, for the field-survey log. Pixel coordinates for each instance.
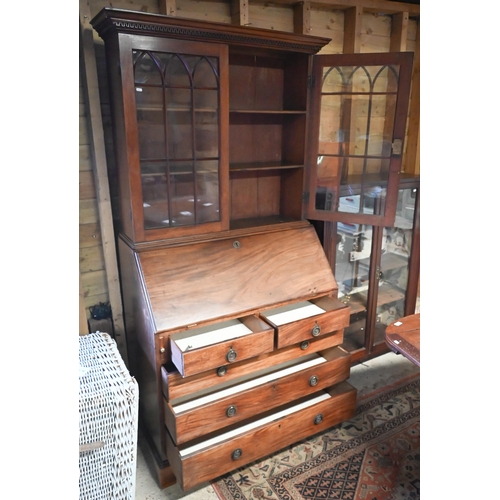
(231, 355)
(236, 454)
(231, 411)
(316, 330)
(313, 381)
(318, 419)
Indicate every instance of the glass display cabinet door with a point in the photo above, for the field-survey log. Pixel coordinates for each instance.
(359, 112)
(376, 272)
(181, 158)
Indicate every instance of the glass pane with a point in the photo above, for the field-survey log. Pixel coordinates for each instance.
(146, 69)
(357, 116)
(205, 71)
(206, 132)
(180, 135)
(177, 72)
(354, 246)
(396, 250)
(183, 193)
(155, 194)
(177, 101)
(207, 180)
(150, 122)
(206, 99)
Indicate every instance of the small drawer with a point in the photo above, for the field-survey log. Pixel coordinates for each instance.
(204, 348)
(307, 320)
(175, 386)
(228, 403)
(208, 458)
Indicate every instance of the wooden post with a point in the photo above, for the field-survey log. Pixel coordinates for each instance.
(239, 12)
(99, 165)
(411, 163)
(399, 32)
(353, 18)
(167, 7)
(302, 18)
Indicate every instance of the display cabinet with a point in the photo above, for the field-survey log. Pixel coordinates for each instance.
(377, 271)
(234, 319)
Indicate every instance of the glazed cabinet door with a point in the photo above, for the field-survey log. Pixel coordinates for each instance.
(175, 119)
(359, 109)
(377, 272)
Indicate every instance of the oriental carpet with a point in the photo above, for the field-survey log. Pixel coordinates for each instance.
(373, 456)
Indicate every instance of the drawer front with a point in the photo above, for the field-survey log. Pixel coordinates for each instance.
(206, 460)
(331, 315)
(258, 340)
(207, 413)
(175, 386)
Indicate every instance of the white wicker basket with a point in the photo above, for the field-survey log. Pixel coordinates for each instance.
(109, 398)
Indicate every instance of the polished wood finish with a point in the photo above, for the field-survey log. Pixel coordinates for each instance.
(210, 417)
(335, 317)
(214, 355)
(259, 255)
(216, 459)
(403, 337)
(175, 386)
(234, 276)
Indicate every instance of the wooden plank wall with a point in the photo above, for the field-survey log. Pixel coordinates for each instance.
(352, 25)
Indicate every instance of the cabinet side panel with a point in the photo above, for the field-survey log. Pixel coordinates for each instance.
(140, 330)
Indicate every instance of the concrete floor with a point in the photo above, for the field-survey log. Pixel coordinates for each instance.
(366, 377)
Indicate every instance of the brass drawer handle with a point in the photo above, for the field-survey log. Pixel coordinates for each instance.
(231, 355)
(318, 419)
(304, 345)
(316, 330)
(162, 350)
(231, 411)
(221, 371)
(313, 381)
(236, 454)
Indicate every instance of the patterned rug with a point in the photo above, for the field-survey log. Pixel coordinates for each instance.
(373, 456)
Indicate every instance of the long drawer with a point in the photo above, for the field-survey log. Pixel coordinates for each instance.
(205, 412)
(307, 320)
(207, 458)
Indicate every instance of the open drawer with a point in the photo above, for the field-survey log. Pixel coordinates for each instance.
(175, 386)
(204, 459)
(208, 411)
(306, 320)
(203, 348)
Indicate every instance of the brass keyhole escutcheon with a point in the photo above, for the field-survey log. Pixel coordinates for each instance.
(318, 419)
(231, 355)
(304, 345)
(236, 454)
(313, 381)
(316, 330)
(221, 371)
(231, 411)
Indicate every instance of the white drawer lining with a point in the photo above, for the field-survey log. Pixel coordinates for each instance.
(240, 430)
(213, 334)
(247, 385)
(293, 312)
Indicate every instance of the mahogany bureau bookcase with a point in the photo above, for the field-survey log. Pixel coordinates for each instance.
(232, 317)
